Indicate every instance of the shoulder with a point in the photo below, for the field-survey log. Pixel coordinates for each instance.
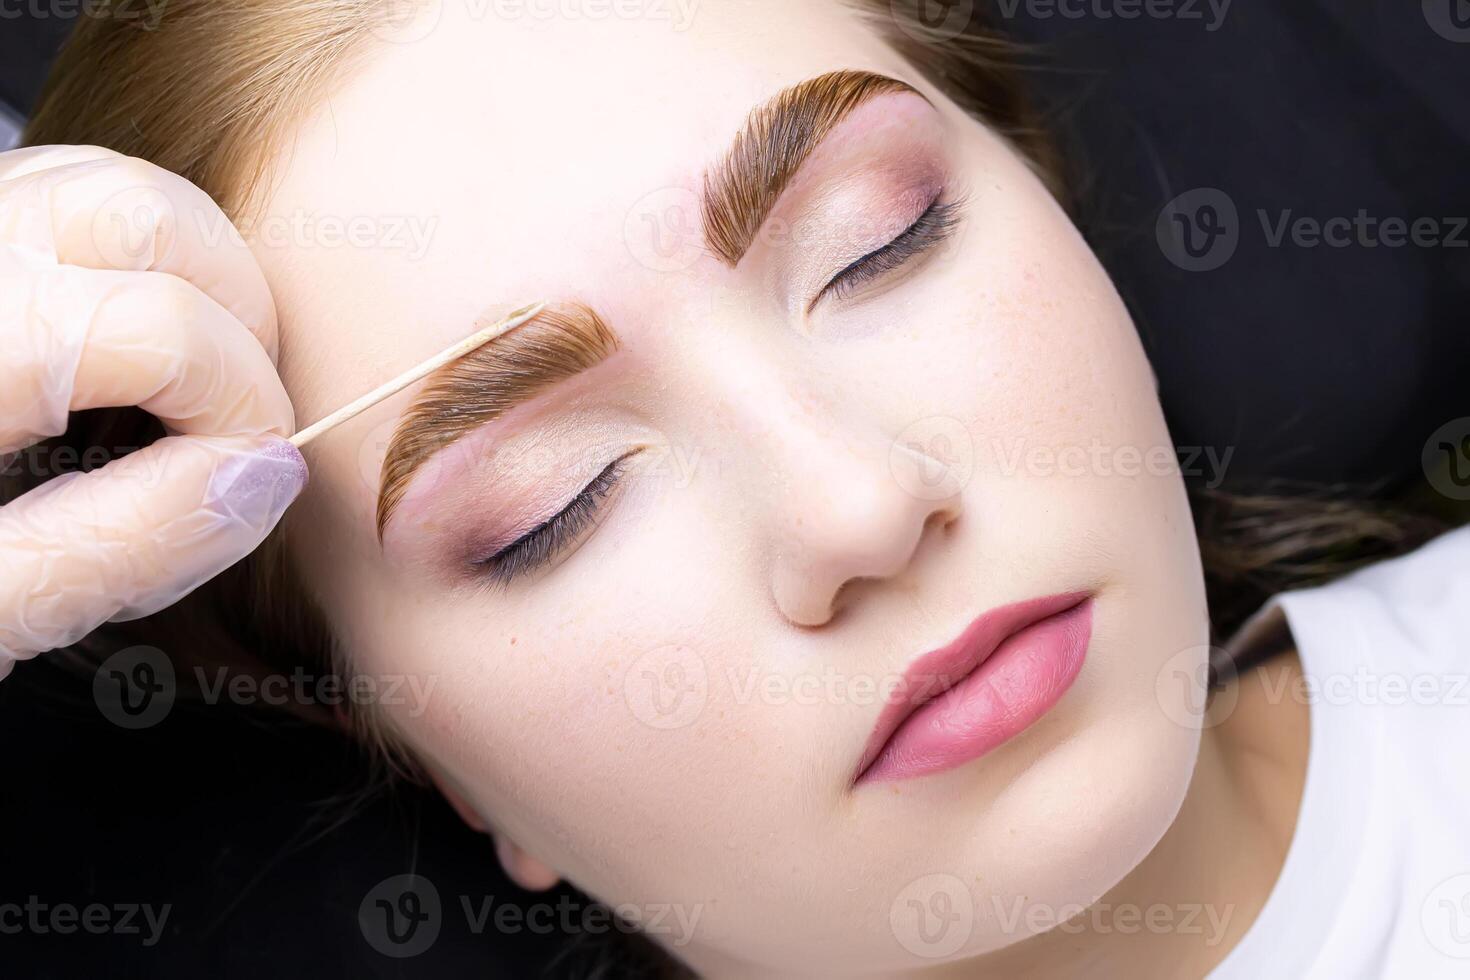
(1405, 614)
(1386, 661)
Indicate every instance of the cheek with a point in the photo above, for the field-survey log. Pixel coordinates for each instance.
(595, 692)
(1071, 444)
(1044, 398)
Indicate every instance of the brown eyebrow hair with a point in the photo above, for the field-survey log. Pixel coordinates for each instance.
(558, 343)
(742, 189)
(739, 194)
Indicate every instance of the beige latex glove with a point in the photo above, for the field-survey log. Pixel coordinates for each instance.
(123, 284)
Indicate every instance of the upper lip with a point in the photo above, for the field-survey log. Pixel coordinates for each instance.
(933, 673)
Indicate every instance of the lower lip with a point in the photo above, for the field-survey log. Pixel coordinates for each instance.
(1015, 686)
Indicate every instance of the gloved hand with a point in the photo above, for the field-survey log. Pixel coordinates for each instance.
(123, 284)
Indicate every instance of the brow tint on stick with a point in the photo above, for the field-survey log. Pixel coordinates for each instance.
(475, 341)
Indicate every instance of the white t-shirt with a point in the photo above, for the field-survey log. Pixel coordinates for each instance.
(1377, 877)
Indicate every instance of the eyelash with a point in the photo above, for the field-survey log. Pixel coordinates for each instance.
(548, 539)
(929, 230)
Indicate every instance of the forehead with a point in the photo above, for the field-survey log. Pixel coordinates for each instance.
(491, 154)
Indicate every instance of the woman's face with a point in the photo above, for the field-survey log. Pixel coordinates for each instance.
(824, 475)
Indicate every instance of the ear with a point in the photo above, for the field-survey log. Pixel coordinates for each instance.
(530, 873)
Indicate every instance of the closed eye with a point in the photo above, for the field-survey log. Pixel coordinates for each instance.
(929, 230)
(544, 542)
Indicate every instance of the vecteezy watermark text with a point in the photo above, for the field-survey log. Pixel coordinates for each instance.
(98, 918)
(145, 14)
(1201, 229)
(1211, 13)
(402, 916)
(1205, 463)
(302, 688)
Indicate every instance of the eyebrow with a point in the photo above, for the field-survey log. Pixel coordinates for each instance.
(742, 189)
(558, 343)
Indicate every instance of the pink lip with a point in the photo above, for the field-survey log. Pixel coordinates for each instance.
(957, 703)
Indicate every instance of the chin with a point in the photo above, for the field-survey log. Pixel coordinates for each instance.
(1082, 819)
(1042, 835)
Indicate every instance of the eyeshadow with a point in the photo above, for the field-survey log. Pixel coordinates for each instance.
(559, 343)
(741, 191)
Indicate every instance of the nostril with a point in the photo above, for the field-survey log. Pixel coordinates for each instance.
(847, 593)
(941, 520)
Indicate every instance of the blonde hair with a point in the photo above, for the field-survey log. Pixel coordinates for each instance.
(208, 90)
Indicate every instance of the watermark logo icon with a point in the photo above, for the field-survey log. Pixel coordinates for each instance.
(407, 21)
(933, 916)
(1182, 688)
(664, 230)
(135, 688)
(667, 688)
(401, 916)
(1450, 19)
(1199, 230)
(933, 20)
(1445, 917)
(933, 458)
(1446, 459)
(130, 224)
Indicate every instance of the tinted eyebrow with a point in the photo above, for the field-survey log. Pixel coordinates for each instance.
(557, 344)
(741, 190)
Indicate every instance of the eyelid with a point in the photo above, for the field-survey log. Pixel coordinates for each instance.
(560, 347)
(934, 225)
(583, 508)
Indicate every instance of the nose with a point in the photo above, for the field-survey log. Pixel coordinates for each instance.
(855, 508)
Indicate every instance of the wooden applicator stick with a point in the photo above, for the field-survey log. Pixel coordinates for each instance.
(477, 340)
